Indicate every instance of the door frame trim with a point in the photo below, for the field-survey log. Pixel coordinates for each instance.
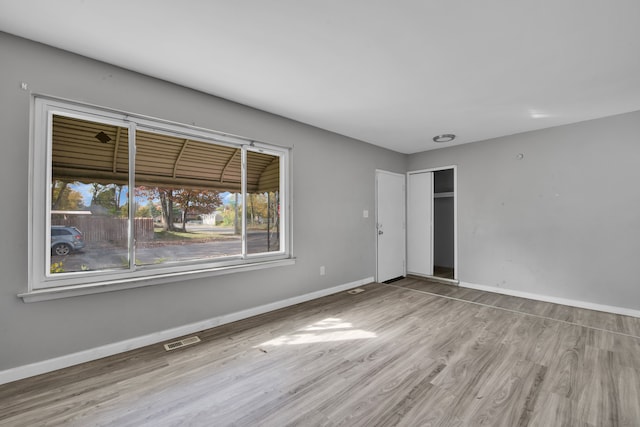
(404, 216)
(456, 277)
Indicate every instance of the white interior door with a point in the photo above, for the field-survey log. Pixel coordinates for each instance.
(390, 225)
(420, 223)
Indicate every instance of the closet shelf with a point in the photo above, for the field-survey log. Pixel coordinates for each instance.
(439, 195)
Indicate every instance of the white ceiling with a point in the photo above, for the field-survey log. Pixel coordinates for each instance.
(392, 73)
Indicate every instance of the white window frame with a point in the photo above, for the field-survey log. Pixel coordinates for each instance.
(43, 285)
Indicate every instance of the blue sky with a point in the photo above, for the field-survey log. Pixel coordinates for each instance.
(87, 195)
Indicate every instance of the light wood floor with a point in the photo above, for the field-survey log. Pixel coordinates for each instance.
(411, 353)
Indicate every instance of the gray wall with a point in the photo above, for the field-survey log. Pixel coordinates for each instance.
(333, 181)
(563, 221)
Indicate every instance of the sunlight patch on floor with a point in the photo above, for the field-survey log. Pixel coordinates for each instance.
(327, 330)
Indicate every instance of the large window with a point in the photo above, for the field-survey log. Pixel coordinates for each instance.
(118, 198)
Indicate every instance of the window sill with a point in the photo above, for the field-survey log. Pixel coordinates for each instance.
(138, 282)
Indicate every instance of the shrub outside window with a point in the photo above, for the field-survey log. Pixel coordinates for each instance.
(118, 198)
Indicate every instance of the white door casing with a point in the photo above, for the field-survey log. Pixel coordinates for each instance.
(390, 225)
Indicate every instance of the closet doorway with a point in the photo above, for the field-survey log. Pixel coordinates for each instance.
(431, 223)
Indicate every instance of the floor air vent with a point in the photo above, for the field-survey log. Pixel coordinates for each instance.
(182, 343)
(355, 291)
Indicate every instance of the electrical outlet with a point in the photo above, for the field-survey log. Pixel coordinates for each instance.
(322, 270)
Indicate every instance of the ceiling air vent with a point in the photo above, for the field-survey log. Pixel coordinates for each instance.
(182, 343)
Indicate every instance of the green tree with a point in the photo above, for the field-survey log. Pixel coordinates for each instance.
(106, 199)
(192, 201)
(165, 197)
(257, 208)
(180, 202)
(64, 198)
(150, 210)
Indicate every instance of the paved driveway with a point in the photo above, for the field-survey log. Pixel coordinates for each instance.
(100, 258)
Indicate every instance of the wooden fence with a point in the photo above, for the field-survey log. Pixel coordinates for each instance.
(100, 228)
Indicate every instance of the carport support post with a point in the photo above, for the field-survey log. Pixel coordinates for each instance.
(236, 225)
(268, 222)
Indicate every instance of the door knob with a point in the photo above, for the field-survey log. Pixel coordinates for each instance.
(380, 232)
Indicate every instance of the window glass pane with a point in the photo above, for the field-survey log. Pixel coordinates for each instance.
(189, 191)
(263, 202)
(89, 209)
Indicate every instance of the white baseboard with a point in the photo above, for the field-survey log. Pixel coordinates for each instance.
(557, 300)
(65, 361)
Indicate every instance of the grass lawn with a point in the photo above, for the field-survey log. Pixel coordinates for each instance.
(191, 236)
